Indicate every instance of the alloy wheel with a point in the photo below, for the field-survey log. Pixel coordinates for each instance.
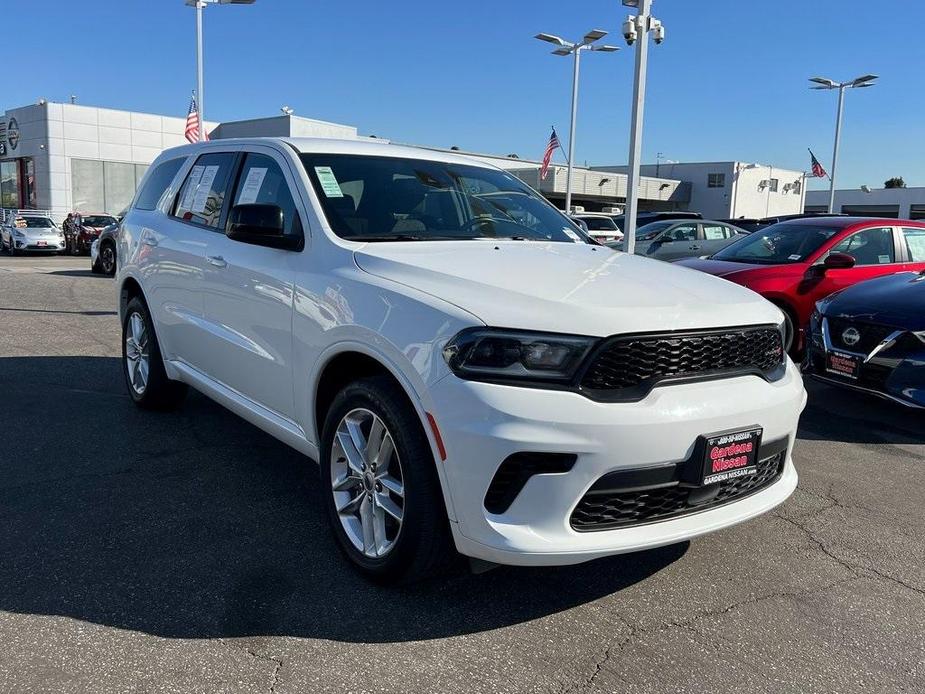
(137, 357)
(367, 483)
(107, 256)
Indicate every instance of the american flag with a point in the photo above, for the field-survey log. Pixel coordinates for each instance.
(192, 123)
(551, 147)
(818, 171)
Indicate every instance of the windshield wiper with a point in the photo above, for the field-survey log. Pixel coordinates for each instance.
(407, 237)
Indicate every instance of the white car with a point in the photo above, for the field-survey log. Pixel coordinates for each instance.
(32, 233)
(468, 372)
(601, 227)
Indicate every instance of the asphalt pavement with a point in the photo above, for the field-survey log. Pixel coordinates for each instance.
(189, 552)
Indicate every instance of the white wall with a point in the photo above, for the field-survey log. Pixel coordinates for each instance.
(54, 134)
(741, 196)
(890, 201)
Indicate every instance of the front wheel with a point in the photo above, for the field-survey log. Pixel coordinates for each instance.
(145, 377)
(380, 485)
(107, 259)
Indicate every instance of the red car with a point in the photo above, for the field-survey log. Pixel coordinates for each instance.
(86, 230)
(794, 264)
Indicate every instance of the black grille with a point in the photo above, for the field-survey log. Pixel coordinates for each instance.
(513, 473)
(605, 510)
(870, 335)
(627, 367)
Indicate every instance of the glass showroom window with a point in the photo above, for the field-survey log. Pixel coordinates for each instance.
(9, 183)
(104, 186)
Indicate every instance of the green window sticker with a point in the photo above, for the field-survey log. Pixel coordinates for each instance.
(328, 182)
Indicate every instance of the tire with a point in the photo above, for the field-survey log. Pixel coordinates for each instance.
(11, 248)
(145, 377)
(95, 267)
(107, 259)
(420, 545)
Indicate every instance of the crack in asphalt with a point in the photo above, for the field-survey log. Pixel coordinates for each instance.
(688, 624)
(857, 569)
(277, 662)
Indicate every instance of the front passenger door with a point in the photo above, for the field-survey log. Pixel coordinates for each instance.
(874, 252)
(675, 243)
(249, 301)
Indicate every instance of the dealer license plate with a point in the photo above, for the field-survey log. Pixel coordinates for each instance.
(845, 365)
(727, 456)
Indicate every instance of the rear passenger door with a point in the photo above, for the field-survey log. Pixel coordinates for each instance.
(249, 291)
(715, 237)
(914, 242)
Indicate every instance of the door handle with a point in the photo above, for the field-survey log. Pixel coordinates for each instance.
(695, 248)
(216, 260)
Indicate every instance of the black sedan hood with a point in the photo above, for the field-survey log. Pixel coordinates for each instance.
(896, 300)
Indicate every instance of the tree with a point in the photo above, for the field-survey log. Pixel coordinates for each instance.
(895, 182)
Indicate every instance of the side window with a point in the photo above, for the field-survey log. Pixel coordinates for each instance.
(915, 243)
(869, 246)
(716, 180)
(157, 183)
(715, 232)
(262, 183)
(683, 232)
(202, 196)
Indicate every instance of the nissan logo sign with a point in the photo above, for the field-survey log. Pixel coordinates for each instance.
(12, 133)
(851, 336)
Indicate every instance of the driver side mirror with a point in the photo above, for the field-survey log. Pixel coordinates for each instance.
(833, 261)
(263, 225)
(839, 261)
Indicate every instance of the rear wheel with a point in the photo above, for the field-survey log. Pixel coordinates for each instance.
(145, 377)
(381, 487)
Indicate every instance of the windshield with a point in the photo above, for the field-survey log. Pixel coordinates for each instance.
(97, 220)
(375, 198)
(778, 244)
(651, 230)
(36, 223)
(599, 223)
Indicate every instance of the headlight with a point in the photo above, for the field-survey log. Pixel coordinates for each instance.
(18, 234)
(495, 354)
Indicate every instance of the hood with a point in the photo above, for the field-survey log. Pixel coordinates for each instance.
(565, 287)
(740, 272)
(895, 300)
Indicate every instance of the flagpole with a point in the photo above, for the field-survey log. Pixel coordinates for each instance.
(571, 135)
(200, 100)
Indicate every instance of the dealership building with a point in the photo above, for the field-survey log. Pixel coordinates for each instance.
(69, 157)
(901, 203)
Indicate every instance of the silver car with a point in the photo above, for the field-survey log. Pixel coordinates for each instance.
(674, 239)
(32, 233)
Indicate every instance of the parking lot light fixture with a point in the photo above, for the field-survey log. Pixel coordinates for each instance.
(636, 30)
(200, 97)
(826, 83)
(565, 48)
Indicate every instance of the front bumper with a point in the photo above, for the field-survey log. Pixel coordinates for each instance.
(895, 372)
(94, 252)
(482, 424)
(38, 245)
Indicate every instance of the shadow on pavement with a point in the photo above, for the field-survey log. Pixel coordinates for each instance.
(48, 310)
(195, 524)
(840, 414)
(78, 273)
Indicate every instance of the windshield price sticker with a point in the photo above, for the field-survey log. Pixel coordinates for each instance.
(250, 191)
(328, 182)
(571, 234)
(794, 257)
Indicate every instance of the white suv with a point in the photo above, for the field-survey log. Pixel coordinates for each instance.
(466, 369)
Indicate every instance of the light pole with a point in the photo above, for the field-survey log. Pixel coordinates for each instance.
(575, 48)
(634, 28)
(200, 6)
(825, 83)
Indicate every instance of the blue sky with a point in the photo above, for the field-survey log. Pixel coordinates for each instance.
(728, 83)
